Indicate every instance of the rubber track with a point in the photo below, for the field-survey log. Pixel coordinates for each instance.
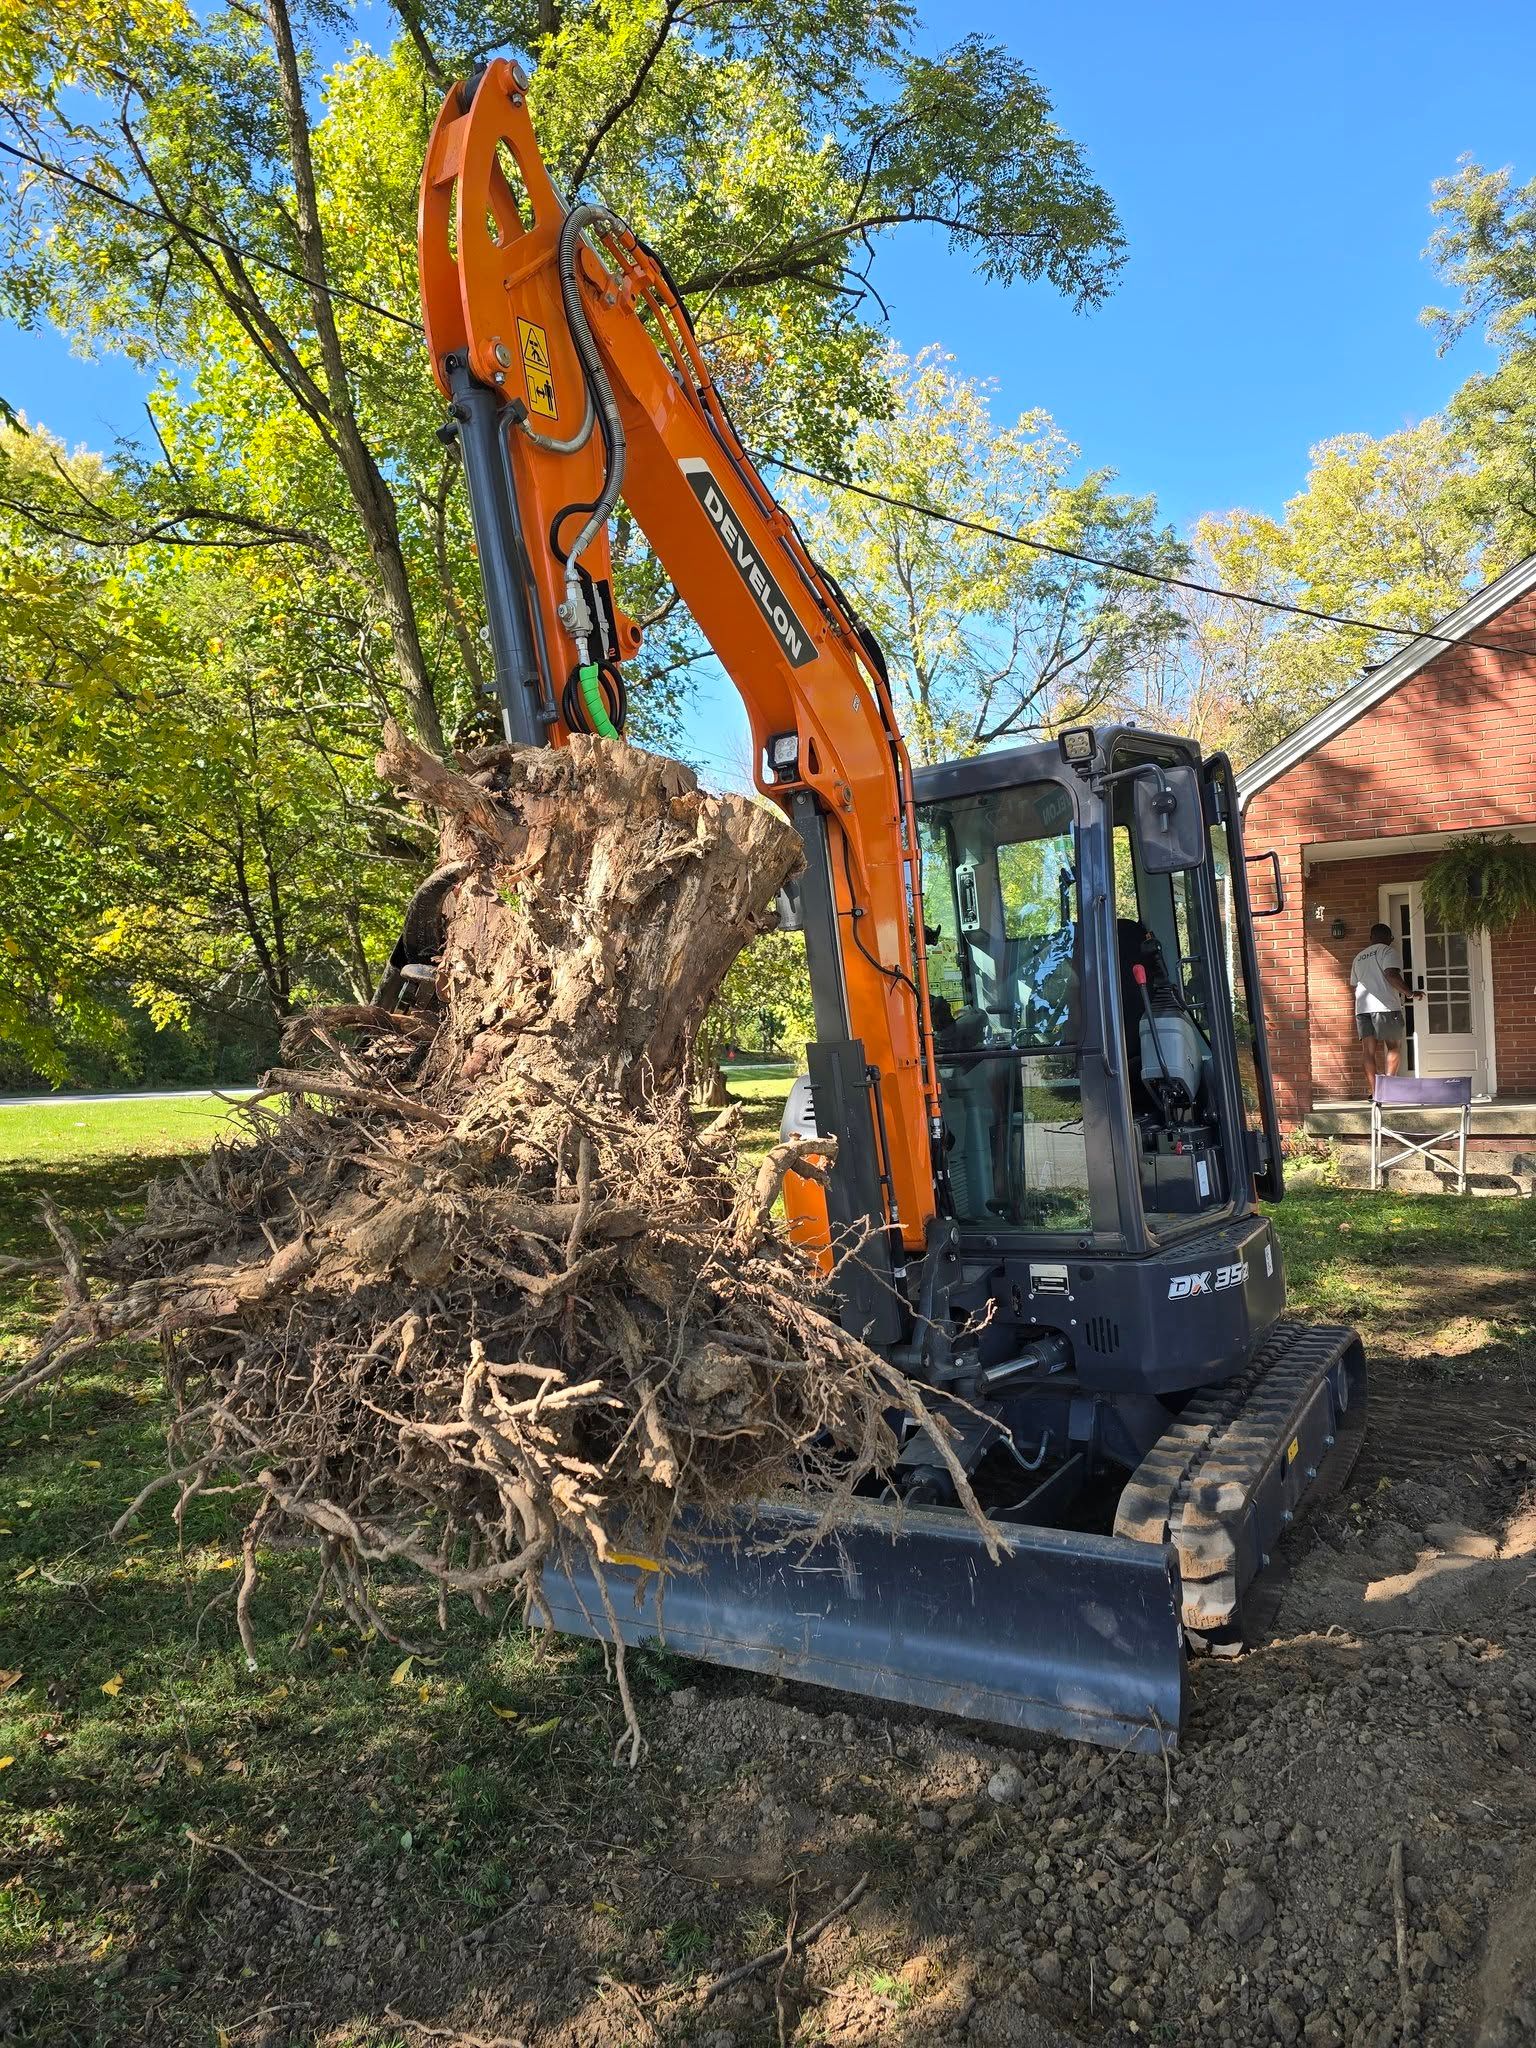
(1191, 1487)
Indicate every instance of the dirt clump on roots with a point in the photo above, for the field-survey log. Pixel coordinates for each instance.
(481, 1292)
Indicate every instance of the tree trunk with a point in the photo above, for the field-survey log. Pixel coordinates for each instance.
(610, 896)
(370, 494)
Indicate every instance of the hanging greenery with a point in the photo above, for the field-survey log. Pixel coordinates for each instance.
(1481, 884)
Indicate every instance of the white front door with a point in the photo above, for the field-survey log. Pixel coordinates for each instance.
(1450, 1024)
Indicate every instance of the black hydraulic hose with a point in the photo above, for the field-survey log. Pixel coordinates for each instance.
(576, 222)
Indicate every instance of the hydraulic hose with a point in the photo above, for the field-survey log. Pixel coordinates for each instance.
(576, 222)
(592, 697)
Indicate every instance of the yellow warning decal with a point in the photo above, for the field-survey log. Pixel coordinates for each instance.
(533, 345)
(1293, 1451)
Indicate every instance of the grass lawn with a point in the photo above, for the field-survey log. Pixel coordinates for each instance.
(57, 1133)
(128, 1717)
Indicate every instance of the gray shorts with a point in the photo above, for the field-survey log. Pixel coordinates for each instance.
(1386, 1025)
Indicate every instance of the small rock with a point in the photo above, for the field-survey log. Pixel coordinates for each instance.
(1506, 1739)
(1047, 1969)
(1454, 1929)
(1242, 1910)
(1006, 1785)
(1283, 2019)
(685, 1696)
(1324, 2032)
(1205, 1884)
(1176, 1933)
(537, 1893)
(930, 1818)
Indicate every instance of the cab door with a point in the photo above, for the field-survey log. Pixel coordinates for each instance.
(1256, 1082)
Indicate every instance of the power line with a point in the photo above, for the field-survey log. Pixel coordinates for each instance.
(1045, 547)
(314, 284)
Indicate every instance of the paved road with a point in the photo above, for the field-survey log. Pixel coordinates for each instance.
(126, 1095)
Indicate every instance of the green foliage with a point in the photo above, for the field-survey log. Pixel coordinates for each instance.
(1484, 247)
(986, 640)
(1383, 529)
(764, 1001)
(201, 636)
(1481, 883)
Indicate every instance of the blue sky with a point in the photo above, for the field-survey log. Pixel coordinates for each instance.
(1272, 166)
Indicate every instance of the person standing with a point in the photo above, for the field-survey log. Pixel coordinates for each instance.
(1376, 976)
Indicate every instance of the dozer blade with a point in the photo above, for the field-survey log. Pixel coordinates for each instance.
(1073, 1635)
(1224, 1482)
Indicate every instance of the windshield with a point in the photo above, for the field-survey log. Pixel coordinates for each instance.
(1000, 902)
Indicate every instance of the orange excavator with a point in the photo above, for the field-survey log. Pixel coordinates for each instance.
(1039, 1037)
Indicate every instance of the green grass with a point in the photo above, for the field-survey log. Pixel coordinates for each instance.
(1437, 1282)
(59, 1132)
(445, 1784)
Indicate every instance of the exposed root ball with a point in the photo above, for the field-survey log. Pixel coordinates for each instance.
(482, 1288)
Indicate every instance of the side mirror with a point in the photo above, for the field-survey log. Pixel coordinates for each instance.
(1169, 819)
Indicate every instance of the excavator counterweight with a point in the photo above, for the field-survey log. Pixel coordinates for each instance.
(1040, 1042)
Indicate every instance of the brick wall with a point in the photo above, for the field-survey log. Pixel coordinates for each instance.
(1451, 750)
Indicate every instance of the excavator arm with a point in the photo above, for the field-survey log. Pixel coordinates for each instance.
(574, 382)
(574, 378)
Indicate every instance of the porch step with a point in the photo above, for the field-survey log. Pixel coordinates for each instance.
(1349, 1166)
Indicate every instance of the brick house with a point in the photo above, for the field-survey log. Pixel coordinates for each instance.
(1438, 741)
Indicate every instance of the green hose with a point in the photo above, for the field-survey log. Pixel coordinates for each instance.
(592, 697)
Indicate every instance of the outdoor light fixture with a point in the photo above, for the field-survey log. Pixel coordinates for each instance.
(784, 756)
(1077, 746)
(1339, 928)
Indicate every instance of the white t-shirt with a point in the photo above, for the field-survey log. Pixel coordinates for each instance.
(1374, 994)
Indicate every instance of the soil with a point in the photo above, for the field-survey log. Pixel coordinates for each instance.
(1019, 1893)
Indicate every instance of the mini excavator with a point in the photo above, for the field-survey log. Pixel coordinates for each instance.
(1039, 1040)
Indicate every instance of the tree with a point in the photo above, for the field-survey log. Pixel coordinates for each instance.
(768, 980)
(1383, 530)
(205, 194)
(1484, 247)
(216, 194)
(988, 640)
(188, 820)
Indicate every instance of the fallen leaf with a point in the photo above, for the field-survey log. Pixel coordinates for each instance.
(90, 1464)
(194, 1764)
(402, 1671)
(23, 1503)
(113, 1685)
(101, 1948)
(506, 1713)
(140, 1539)
(424, 1692)
(278, 1692)
(338, 1650)
(541, 1728)
(235, 1765)
(6, 1762)
(602, 1906)
(27, 1574)
(225, 1564)
(8, 1679)
(406, 1839)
